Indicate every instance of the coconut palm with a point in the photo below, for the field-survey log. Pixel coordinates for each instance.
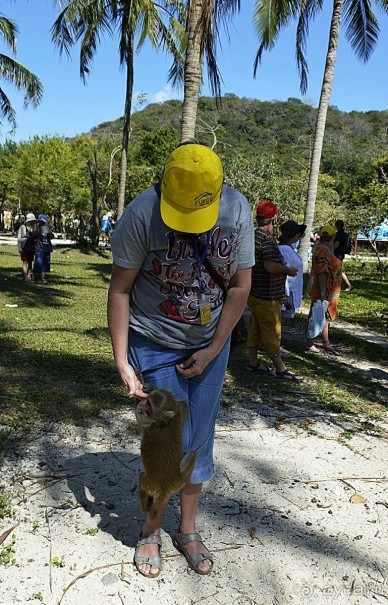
(87, 20)
(362, 30)
(14, 73)
(202, 28)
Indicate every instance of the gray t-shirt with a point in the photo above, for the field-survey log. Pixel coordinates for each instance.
(165, 297)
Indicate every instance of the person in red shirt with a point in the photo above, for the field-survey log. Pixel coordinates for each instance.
(266, 295)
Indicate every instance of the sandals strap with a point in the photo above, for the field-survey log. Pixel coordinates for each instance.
(155, 561)
(180, 542)
(150, 540)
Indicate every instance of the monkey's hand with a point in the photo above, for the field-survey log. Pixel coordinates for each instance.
(195, 364)
(131, 382)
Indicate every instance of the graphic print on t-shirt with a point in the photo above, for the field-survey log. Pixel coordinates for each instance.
(179, 274)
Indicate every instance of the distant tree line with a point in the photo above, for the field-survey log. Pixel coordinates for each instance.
(264, 147)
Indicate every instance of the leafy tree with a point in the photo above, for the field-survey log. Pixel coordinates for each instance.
(156, 146)
(87, 21)
(14, 73)
(362, 30)
(370, 209)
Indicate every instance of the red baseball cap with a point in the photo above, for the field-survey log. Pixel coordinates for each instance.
(266, 210)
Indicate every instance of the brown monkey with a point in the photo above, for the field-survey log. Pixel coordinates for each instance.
(161, 417)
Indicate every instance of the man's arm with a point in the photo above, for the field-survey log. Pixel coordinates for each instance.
(234, 305)
(279, 269)
(118, 320)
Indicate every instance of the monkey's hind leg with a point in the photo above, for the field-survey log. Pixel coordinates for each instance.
(146, 500)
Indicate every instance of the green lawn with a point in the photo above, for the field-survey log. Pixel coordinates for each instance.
(56, 361)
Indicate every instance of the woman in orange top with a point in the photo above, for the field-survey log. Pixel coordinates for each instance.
(326, 283)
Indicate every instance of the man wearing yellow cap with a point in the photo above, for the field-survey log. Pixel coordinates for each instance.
(175, 252)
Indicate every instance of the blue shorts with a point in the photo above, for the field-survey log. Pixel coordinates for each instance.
(42, 262)
(202, 393)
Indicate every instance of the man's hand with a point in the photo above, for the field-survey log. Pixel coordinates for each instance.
(132, 384)
(195, 365)
(291, 271)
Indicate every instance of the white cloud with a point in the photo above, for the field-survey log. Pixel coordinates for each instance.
(164, 95)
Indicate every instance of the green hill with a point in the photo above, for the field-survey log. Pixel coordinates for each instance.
(281, 128)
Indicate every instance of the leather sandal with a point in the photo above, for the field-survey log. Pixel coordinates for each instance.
(180, 542)
(155, 561)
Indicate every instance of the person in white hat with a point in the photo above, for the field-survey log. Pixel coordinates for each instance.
(26, 244)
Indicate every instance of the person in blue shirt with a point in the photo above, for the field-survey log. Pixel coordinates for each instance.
(106, 228)
(43, 248)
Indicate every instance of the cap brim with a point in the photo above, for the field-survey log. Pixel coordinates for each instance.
(189, 220)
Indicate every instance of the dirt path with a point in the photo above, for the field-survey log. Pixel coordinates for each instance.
(293, 515)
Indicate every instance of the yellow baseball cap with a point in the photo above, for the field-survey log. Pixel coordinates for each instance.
(191, 189)
(327, 230)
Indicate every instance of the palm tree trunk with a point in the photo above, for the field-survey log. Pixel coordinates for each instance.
(193, 70)
(126, 127)
(320, 126)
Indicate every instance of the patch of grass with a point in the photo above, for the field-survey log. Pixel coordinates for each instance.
(6, 510)
(7, 553)
(56, 361)
(58, 561)
(92, 531)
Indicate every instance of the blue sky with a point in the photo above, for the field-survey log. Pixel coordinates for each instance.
(69, 107)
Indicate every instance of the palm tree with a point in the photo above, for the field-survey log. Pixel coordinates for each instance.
(14, 73)
(203, 17)
(88, 20)
(362, 32)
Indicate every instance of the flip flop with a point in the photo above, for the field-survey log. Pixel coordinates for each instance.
(256, 368)
(288, 375)
(155, 561)
(312, 349)
(330, 351)
(180, 542)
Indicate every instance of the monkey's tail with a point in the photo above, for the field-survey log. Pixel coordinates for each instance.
(187, 465)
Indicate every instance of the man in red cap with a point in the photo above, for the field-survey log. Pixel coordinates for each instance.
(267, 291)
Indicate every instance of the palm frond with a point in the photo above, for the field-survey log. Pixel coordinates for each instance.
(383, 5)
(269, 17)
(6, 110)
(19, 76)
(8, 32)
(307, 13)
(362, 29)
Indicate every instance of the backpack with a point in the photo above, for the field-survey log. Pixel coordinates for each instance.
(347, 247)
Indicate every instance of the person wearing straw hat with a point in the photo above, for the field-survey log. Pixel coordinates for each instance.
(176, 249)
(326, 272)
(27, 235)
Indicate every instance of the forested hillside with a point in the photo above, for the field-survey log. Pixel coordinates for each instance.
(264, 146)
(282, 129)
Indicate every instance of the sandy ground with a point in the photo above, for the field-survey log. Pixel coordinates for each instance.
(278, 514)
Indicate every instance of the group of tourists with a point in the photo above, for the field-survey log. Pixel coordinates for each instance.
(35, 247)
(186, 261)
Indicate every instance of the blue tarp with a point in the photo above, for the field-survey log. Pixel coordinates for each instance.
(379, 233)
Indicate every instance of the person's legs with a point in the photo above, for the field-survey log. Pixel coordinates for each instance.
(25, 270)
(271, 327)
(254, 333)
(189, 500)
(325, 335)
(346, 280)
(151, 527)
(203, 394)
